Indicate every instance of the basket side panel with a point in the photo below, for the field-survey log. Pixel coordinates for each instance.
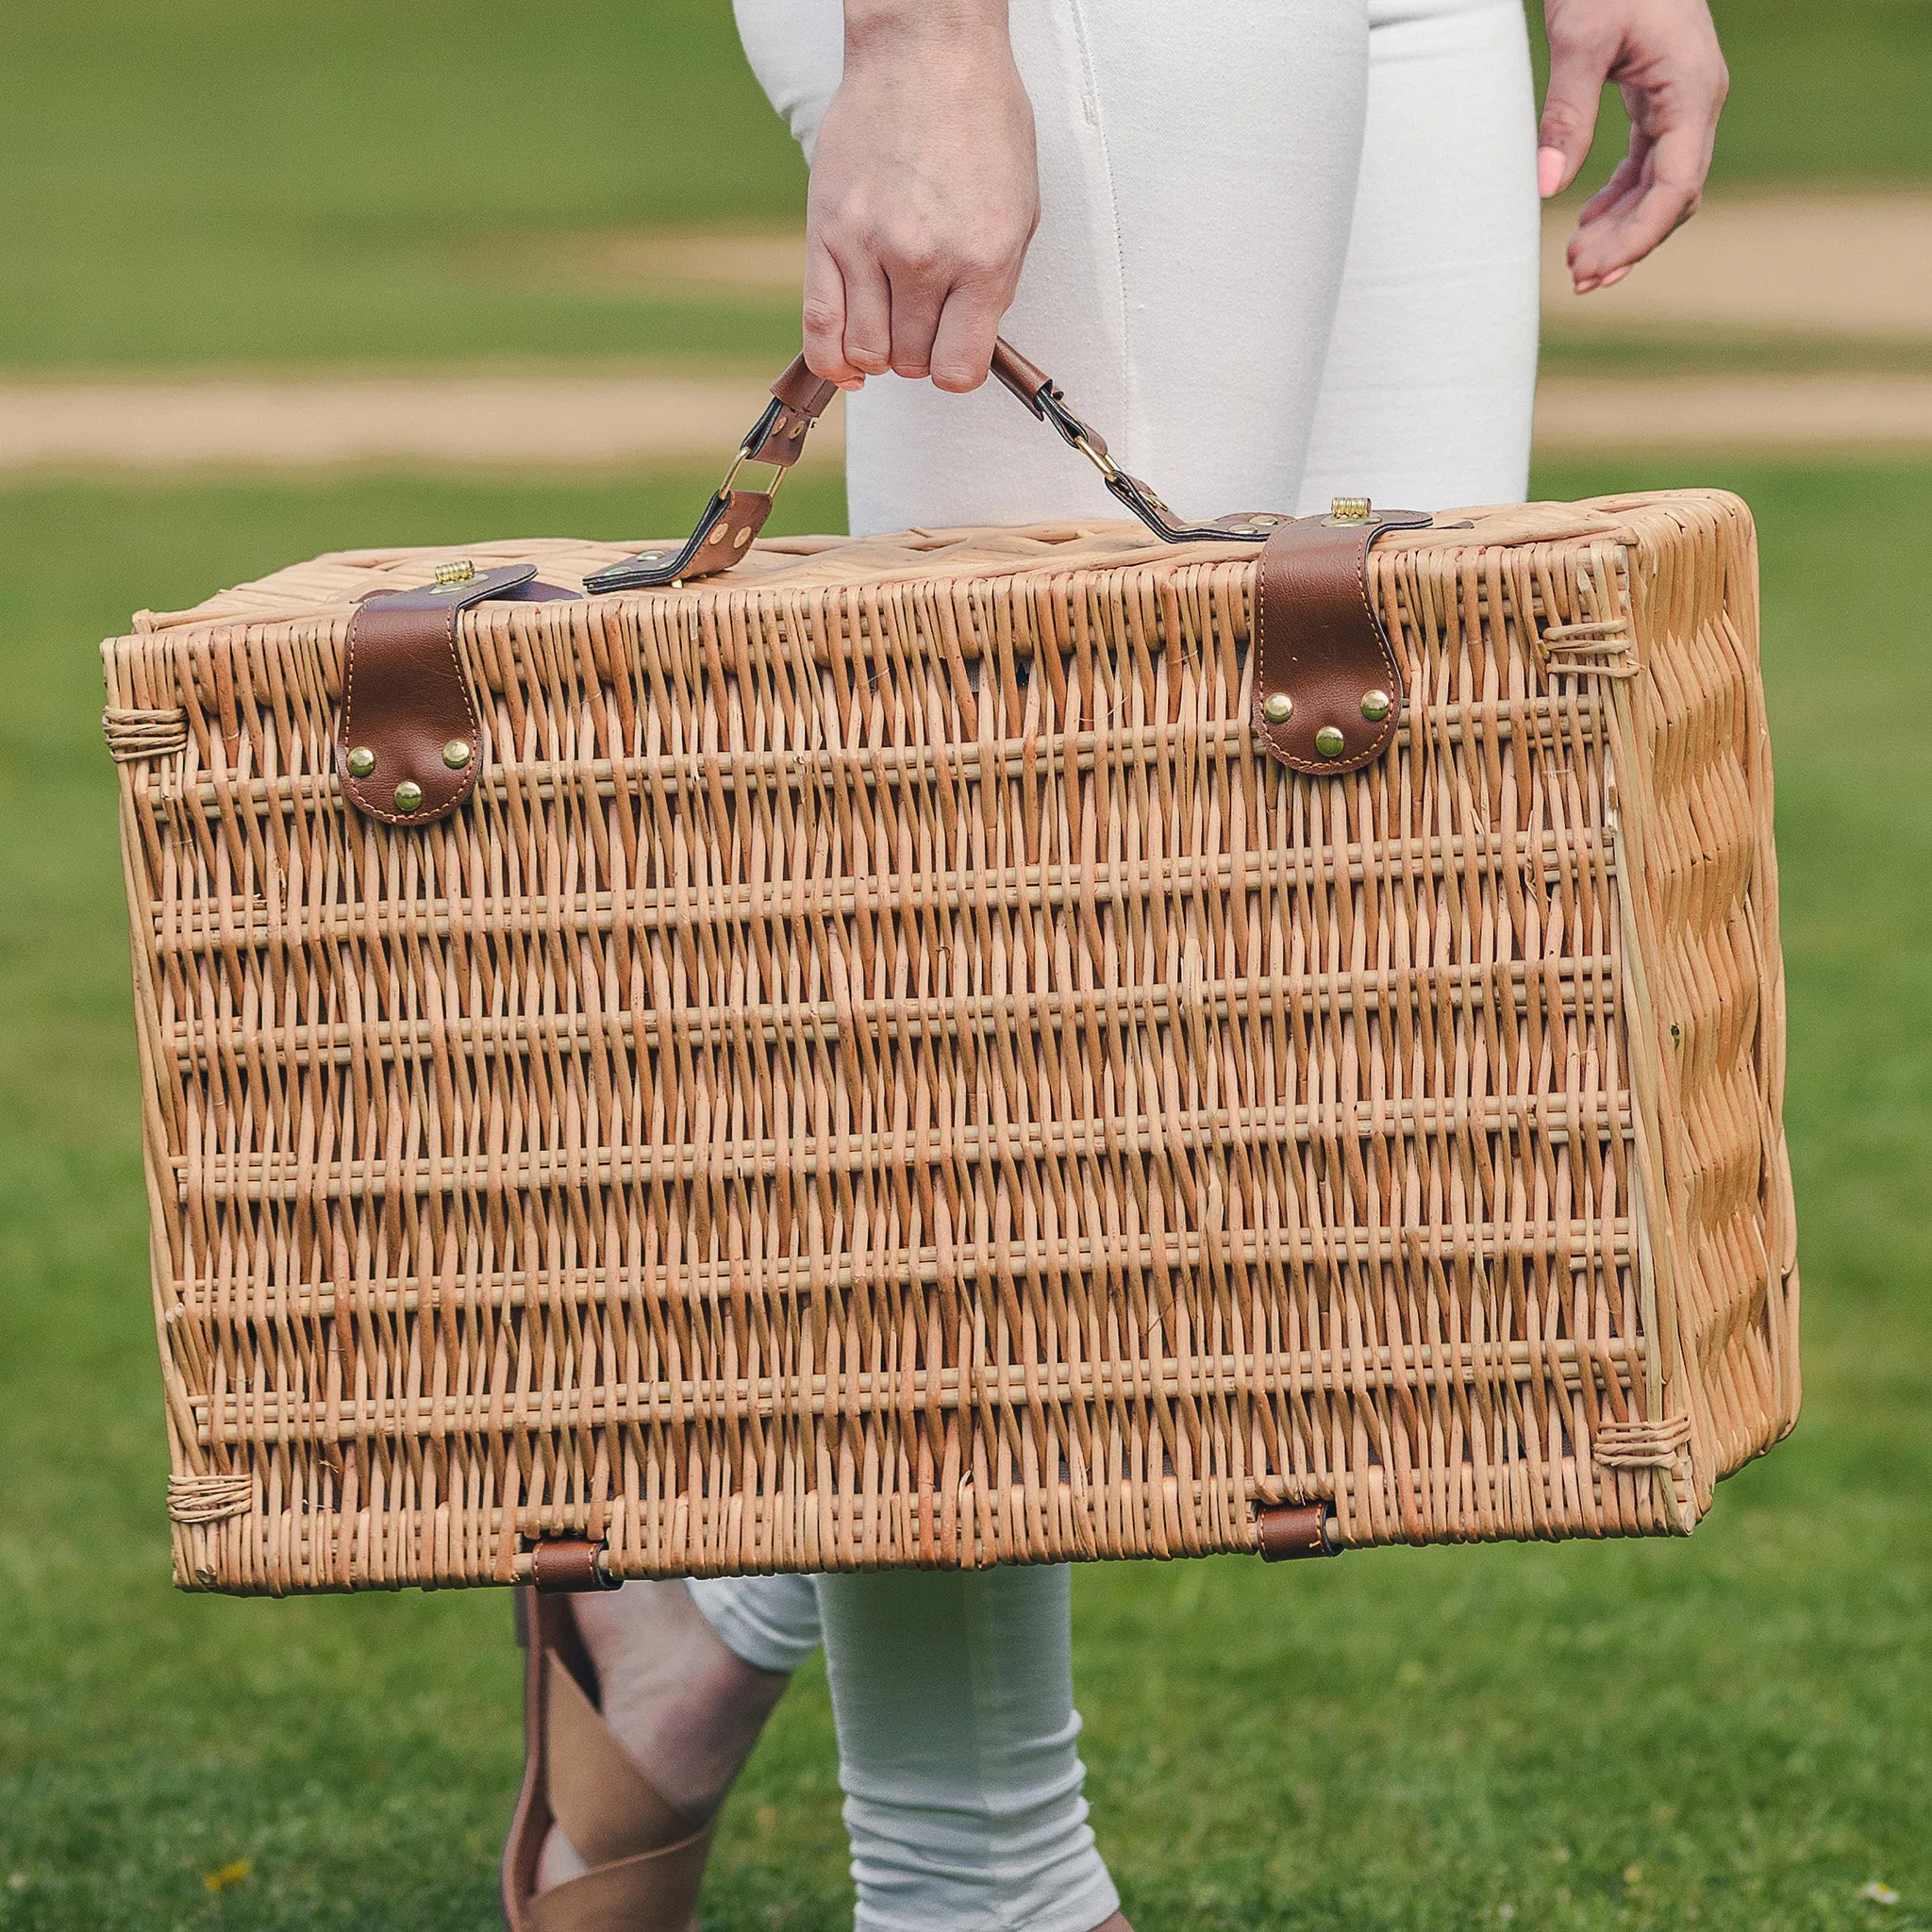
(1708, 912)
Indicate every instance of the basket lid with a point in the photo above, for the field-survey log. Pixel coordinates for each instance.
(332, 584)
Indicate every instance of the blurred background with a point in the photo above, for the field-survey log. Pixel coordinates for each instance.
(276, 279)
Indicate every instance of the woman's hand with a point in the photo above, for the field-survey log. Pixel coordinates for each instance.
(1664, 58)
(925, 194)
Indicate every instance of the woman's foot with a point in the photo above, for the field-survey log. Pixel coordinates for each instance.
(685, 1709)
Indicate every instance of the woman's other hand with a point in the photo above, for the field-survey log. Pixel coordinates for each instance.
(925, 194)
(1664, 56)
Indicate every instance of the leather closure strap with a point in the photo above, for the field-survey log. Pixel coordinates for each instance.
(408, 750)
(1327, 688)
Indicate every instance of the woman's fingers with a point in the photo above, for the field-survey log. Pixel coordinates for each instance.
(918, 295)
(924, 194)
(1664, 193)
(1583, 42)
(1664, 56)
(825, 318)
(968, 326)
(868, 314)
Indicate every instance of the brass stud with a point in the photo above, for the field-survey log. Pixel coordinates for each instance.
(1376, 705)
(409, 795)
(461, 572)
(744, 536)
(1277, 708)
(717, 536)
(361, 761)
(456, 754)
(1330, 743)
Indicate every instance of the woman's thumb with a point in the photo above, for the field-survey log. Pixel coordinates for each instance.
(1578, 67)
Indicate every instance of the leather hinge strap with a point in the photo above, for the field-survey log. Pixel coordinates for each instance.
(409, 751)
(1328, 687)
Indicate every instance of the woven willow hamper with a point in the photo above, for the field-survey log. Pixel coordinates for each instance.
(885, 1067)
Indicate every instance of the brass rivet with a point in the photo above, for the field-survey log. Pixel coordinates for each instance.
(744, 536)
(409, 795)
(1330, 743)
(717, 536)
(1277, 708)
(361, 761)
(461, 572)
(1376, 705)
(456, 754)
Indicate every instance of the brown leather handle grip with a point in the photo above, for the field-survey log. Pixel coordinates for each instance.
(733, 517)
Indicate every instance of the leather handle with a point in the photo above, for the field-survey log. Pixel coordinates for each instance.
(734, 517)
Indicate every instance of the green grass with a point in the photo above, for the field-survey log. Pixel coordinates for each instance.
(193, 181)
(1728, 1733)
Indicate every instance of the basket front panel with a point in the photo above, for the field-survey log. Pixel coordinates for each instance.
(890, 1075)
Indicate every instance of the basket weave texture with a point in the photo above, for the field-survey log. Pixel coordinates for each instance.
(885, 1070)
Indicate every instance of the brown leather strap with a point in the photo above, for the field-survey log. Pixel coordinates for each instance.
(655, 1892)
(647, 1857)
(1327, 688)
(1293, 1529)
(408, 750)
(733, 517)
(569, 1565)
(608, 1808)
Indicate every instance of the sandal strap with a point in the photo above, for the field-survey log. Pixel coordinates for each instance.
(656, 1892)
(608, 1810)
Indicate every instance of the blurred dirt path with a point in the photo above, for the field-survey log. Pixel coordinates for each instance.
(499, 421)
(1815, 265)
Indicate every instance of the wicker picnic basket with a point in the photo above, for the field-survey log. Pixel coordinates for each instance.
(889, 1056)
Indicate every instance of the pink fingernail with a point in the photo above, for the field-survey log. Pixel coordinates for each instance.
(1615, 276)
(1549, 171)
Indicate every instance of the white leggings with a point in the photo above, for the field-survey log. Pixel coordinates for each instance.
(1286, 251)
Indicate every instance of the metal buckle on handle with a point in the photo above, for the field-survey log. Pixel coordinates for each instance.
(753, 437)
(660, 569)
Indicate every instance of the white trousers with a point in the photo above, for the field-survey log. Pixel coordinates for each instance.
(1286, 251)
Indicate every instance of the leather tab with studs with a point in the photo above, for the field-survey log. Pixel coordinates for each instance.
(406, 747)
(1327, 688)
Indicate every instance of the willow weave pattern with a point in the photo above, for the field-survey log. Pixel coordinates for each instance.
(885, 1069)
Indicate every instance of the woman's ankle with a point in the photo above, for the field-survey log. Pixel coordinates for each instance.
(686, 1708)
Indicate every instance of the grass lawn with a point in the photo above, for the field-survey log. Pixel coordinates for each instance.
(197, 181)
(1728, 1733)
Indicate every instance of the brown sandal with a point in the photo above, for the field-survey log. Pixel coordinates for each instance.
(646, 1856)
